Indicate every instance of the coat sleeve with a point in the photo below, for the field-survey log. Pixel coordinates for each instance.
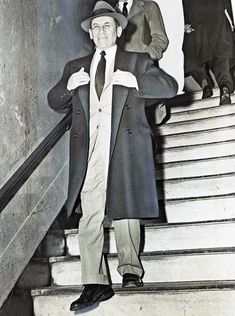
(228, 6)
(59, 98)
(159, 41)
(153, 82)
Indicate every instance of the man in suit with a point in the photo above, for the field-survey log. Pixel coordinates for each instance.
(157, 28)
(209, 44)
(111, 157)
(145, 33)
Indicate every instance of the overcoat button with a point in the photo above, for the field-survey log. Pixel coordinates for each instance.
(75, 135)
(78, 112)
(129, 131)
(100, 110)
(127, 107)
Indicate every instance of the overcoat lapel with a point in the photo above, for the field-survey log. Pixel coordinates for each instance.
(124, 62)
(84, 91)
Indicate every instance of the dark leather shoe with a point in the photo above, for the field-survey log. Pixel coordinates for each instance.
(207, 92)
(92, 294)
(131, 280)
(224, 96)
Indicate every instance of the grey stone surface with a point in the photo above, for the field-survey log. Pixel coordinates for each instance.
(25, 221)
(60, 39)
(18, 83)
(211, 302)
(37, 38)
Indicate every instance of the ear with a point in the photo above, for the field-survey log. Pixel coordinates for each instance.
(119, 31)
(90, 33)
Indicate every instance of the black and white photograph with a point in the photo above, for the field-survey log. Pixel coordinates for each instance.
(117, 151)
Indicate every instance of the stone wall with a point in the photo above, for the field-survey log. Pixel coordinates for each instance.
(37, 38)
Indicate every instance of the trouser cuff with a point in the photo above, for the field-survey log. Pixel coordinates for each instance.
(95, 279)
(130, 269)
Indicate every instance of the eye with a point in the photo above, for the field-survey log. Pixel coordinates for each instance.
(94, 27)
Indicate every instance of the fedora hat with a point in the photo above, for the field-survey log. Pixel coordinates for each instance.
(102, 8)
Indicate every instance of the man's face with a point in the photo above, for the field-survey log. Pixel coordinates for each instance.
(104, 32)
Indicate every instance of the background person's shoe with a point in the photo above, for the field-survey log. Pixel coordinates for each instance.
(224, 96)
(92, 294)
(131, 280)
(207, 92)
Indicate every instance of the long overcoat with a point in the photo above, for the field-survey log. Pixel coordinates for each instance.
(131, 188)
(212, 36)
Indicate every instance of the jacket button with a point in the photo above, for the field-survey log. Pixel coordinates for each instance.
(129, 131)
(78, 112)
(127, 107)
(75, 135)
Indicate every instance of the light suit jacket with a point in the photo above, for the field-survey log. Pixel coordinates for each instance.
(145, 32)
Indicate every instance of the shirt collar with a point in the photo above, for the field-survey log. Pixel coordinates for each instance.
(110, 52)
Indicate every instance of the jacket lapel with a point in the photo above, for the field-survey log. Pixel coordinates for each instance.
(123, 62)
(135, 8)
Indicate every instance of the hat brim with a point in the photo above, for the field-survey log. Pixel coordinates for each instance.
(121, 19)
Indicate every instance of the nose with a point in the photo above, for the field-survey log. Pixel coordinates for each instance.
(102, 29)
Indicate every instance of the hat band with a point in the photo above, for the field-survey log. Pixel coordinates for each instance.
(101, 11)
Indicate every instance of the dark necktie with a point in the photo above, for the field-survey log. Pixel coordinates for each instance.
(100, 74)
(124, 9)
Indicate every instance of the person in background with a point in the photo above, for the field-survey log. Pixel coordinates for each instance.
(111, 155)
(145, 33)
(209, 44)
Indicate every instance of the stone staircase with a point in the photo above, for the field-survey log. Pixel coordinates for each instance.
(190, 261)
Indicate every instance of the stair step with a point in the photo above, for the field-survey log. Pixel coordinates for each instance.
(176, 299)
(180, 266)
(194, 101)
(191, 101)
(203, 151)
(197, 125)
(196, 187)
(200, 209)
(196, 168)
(202, 113)
(199, 137)
(165, 237)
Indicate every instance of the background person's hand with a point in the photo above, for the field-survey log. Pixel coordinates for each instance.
(188, 28)
(124, 78)
(78, 79)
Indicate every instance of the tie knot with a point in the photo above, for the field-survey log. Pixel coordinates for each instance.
(102, 53)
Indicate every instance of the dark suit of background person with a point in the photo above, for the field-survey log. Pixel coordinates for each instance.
(209, 42)
(131, 188)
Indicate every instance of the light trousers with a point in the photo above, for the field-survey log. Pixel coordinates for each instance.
(91, 242)
(91, 230)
